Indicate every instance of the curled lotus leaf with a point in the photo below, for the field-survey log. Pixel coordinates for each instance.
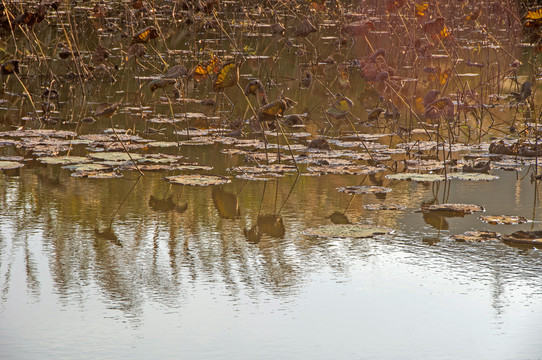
(63, 160)
(503, 219)
(346, 231)
(191, 167)
(115, 156)
(375, 207)
(473, 176)
(524, 237)
(454, 208)
(198, 180)
(10, 165)
(476, 236)
(364, 189)
(416, 177)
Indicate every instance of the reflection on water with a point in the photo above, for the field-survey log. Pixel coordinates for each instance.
(137, 266)
(70, 241)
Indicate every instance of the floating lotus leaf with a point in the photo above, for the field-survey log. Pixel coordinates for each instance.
(364, 189)
(476, 236)
(454, 208)
(159, 158)
(346, 231)
(259, 177)
(162, 144)
(524, 237)
(418, 145)
(10, 165)
(97, 174)
(189, 167)
(472, 176)
(87, 167)
(193, 132)
(503, 219)
(346, 170)
(273, 168)
(374, 207)
(424, 165)
(39, 133)
(201, 140)
(198, 180)
(63, 160)
(12, 158)
(149, 167)
(115, 156)
(416, 177)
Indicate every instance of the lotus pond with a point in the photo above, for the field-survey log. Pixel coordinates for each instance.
(270, 179)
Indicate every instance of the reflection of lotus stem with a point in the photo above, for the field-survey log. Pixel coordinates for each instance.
(124, 147)
(124, 200)
(288, 196)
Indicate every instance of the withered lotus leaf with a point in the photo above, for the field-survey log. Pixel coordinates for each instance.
(198, 180)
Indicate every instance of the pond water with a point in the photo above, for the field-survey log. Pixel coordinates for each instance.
(100, 262)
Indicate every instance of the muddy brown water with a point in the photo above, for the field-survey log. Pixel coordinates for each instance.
(136, 266)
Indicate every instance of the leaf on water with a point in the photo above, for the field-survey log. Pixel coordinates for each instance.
(346, 170)
(115, 156)
(472, 176)
(63, 160)
(364, 189)
(191, 167)
(97, 174)
(476, 236)
(503, 219)
(454, 208)
(346, 231)
(524, 237)
(272, 168)
(198, 180)
(87, 167)
(10, 165)
(39, 133)
(159, 158)
(416, 177)
(374, 207)
(259, 177)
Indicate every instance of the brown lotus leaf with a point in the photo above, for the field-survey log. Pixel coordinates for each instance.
(359, 28)
(198, 180)
(503, 219)
(454, 208)
(364, 189)
(524, 237)
(346, 170)
(321, 144)
(476, 236)
(305, 28)
(375, 207)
